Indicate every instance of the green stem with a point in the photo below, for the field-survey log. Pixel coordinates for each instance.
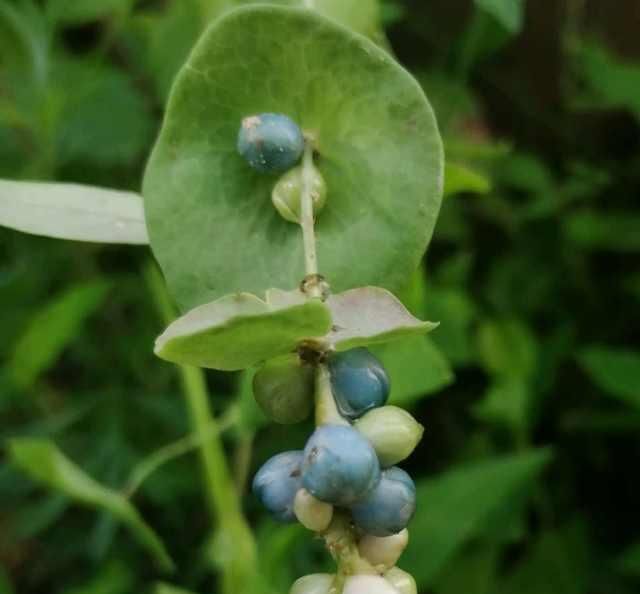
(235, 545)
(326, 409)
(143, 470)
(306, 213)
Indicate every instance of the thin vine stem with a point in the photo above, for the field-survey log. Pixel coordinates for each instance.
(235, 544)
(143, 470)
(307, 221)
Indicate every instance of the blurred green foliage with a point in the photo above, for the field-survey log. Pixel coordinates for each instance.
(529, 389)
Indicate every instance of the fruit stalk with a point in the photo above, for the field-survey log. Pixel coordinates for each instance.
(306, 213)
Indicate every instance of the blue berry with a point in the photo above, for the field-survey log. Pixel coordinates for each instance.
(270, 142)
(340, 466)
(277, 483)
(389, 507)
(359, 382)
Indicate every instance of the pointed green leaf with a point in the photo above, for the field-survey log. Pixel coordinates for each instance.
(52, 329)
(458, 178)
(383, 197)
(71, 211)
(616, 371)
(238, 331)
(45, 463)
(509, 13)
(370, 315)
(454, 507)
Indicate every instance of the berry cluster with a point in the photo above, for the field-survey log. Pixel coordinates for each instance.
(346, 473)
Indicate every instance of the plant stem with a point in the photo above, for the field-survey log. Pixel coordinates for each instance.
(326, 410)
(306, 213)
(236, 549)
(151, 463)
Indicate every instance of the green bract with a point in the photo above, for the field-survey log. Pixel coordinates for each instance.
(238, 331)
(378, 148)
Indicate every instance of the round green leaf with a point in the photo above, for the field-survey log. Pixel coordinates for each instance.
(210, 218)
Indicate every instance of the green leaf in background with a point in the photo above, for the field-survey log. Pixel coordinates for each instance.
(165, 588)
(45, 463)
(416, 368)
(370, 315)
(507, 401)
(453, 508)
(5, 584)
(557, 562)
(606, 81)
(71, 211)
(112, 578)
(509, 13)
(472, 572)
(628, 563)
(80, 12)
(104, 117)
(239, 331)
(383, 198)
(614, 231)
(51, 329)
(459, 178)
(456, 312)
(615, 371)
(507, 348)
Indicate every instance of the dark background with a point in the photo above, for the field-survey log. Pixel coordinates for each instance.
(529, 390)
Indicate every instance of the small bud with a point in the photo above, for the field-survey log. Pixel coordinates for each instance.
(368, 584)
(385, 550)
(317, 583)
(392, 431)
(311, 512)
(283, 387)
(287, 193)
(402, 581)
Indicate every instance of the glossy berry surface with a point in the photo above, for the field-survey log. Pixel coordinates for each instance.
(389, 507)
(340, 466)
(277, 483)
(359, 382)
(270, 142)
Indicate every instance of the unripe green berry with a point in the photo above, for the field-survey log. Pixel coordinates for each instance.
(392, 432)
(383, 550)
(368, 584)
(402, 581)
(287, 193)
(317, 583)
(312, 513)
(283, 387)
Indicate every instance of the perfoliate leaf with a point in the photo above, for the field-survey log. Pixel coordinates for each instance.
(370, 315)
(71, 211)
(241, 330)
(45, 463)
(383, 197)
(615, 371)
(454, 507)
(51, 330)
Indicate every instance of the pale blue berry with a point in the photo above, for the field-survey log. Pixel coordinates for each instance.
(359, 382)
(277, 483)
(389, 507)
(340, 466)
(270, 142)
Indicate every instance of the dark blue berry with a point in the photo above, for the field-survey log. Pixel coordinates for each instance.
(359, 382)
(277, 483)
(270, 142)
(389, 506)
(340, 466)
